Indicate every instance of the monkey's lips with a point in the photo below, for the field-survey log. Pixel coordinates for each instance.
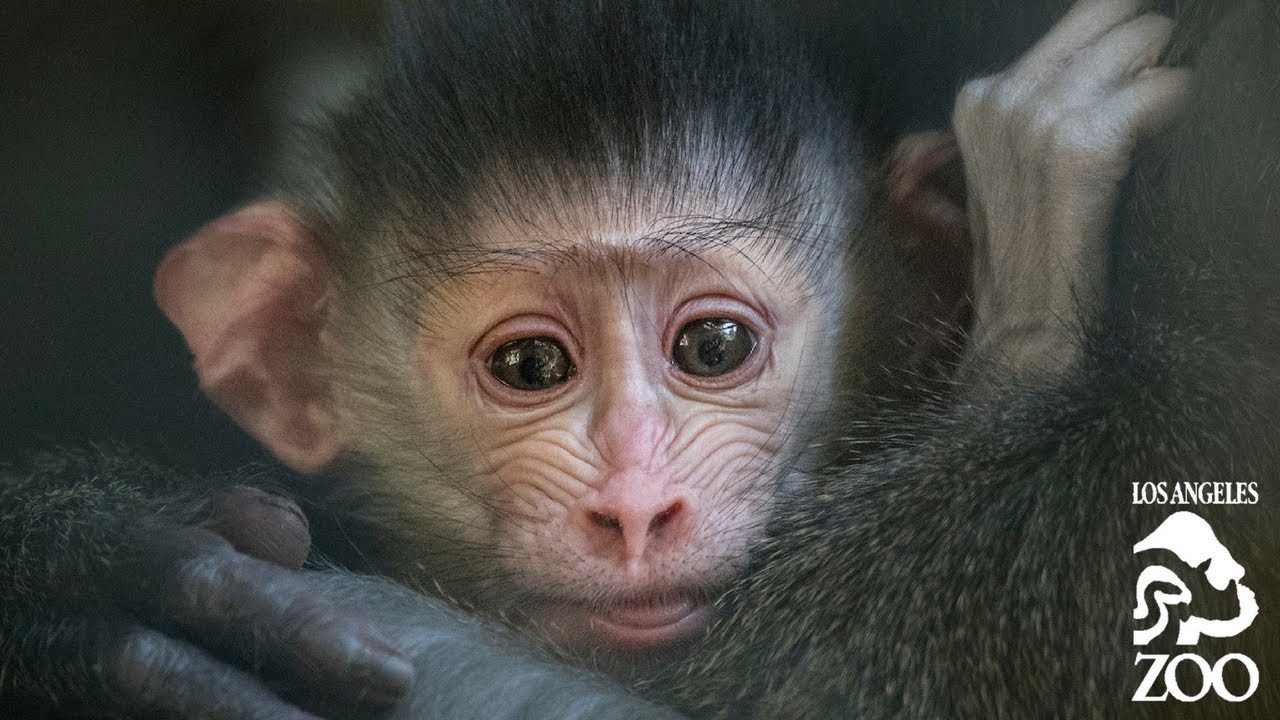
(638, 625)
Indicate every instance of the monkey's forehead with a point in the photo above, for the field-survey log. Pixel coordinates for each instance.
(702, 242)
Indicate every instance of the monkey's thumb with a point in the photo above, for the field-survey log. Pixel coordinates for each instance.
(263, 525)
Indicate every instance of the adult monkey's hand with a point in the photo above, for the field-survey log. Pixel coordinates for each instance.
(155, 615)
(1045, 146)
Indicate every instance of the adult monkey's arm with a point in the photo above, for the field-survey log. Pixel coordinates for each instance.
(468, 668)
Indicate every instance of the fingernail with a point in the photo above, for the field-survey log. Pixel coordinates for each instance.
(288, 506)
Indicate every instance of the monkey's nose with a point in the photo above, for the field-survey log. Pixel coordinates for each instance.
(625, 527)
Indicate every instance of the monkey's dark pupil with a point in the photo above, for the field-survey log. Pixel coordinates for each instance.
(535, 363)
(533, 369)
(711, 350)
(712, 346)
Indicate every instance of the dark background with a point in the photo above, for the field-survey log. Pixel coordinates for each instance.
(124, 126)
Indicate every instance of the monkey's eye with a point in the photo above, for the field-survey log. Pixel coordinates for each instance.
(533, 363)
(712, 346)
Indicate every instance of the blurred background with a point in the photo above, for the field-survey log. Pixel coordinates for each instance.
(124, 126)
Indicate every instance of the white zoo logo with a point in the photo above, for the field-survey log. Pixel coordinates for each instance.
(1188, 536)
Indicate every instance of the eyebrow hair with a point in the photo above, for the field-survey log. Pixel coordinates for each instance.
(777, 232)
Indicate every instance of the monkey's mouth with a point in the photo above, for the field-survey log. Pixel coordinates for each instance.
(632, 625)
(646, 624)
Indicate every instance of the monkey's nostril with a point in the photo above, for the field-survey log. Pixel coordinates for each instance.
(665, 516)
(605, 521)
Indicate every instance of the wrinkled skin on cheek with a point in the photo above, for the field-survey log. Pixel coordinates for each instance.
(620, 500)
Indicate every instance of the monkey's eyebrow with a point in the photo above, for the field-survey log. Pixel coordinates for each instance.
(802, 244)
(765, 235)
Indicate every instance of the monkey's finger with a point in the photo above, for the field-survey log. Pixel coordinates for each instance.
(1125, 50)
(1151, 102)
(262, 525)
(1083, 25)
(272, 613)
(157, 676)
(237, 605)
(97, 661)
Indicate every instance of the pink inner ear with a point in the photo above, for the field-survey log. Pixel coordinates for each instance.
(248, 294)
(916, 190)
(223, 266)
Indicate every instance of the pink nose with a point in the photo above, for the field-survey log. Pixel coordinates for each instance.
(625, 527)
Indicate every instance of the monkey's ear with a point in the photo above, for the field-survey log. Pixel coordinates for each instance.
(249, 294)
(925, 199)
(925, 189)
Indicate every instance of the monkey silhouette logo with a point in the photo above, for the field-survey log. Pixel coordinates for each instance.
(1188, 536)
